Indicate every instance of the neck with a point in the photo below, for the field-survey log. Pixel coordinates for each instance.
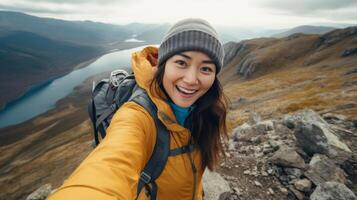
(181, 113)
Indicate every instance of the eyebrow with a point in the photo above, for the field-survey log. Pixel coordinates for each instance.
(188, 57)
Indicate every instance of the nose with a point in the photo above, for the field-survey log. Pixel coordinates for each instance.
(191, 76)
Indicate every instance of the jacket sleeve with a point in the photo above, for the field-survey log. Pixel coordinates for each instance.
(112, 170)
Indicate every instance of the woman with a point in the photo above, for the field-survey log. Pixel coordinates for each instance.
(181, 79)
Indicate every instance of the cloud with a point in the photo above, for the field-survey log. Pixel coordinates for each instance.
(79, 1)
(255, 13)
(308, 6)
(346, 14)
(32, 9)
(67, 8)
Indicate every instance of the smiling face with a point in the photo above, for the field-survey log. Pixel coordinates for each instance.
(188, 75)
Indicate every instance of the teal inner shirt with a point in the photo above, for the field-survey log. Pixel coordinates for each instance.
(180, 112)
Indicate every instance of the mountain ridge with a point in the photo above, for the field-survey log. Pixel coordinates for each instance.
(306, 29)
(32, 58)
(257, 56)
(292, 73)
(79, 32)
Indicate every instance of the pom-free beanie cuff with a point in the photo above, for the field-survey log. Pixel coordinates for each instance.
(192, 35)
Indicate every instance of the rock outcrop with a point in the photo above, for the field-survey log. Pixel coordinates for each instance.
(314, 135)
(304, 161)
(332, 191)
(215, 187)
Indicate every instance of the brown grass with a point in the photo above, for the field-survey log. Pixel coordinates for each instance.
(292, 89)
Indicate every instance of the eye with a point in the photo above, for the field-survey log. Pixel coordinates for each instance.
(207, 70)
(181, 63)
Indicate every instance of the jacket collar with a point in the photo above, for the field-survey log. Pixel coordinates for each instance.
(144, 63)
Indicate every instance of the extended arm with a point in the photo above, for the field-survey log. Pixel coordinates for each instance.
(112, 170)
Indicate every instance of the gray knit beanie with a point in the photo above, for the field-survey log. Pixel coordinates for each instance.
(192, 34)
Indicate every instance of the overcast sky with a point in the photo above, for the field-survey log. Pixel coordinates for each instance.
(253, 13)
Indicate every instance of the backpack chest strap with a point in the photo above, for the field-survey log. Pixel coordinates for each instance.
(182, 150)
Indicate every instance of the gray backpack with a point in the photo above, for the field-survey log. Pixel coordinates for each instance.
(107, 97)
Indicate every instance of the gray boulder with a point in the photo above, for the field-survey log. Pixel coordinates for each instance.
(314, 135)
(287, 157)
(247, 132)
(303, 185)
(322, 169)
(295, 173)
(299, 195)
(310, 137)
(214, 186)
(332, 191)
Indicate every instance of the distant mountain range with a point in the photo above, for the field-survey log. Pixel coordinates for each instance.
(306, 30)
(237, 34)
(34, 49)
(260, 56)
(269, 76)
(77, 32)
(27, 58)
(155, 34)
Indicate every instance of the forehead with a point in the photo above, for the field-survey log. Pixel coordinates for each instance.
(194, 55)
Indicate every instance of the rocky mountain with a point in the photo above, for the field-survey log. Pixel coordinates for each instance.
(301, 155)
(77, 32)
(292, 121)
(34, 49)
(32, 58)
(264, 55)
(276, 79)
(307, 29)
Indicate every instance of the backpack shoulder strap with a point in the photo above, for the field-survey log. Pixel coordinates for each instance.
(161, 152)
(92, 115)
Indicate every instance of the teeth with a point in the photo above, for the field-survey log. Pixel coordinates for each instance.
(186, 90)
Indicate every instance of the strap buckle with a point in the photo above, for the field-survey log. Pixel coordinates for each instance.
(113, 107)
(116, 76)
(146, 178)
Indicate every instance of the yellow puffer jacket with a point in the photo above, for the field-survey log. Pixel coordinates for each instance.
(112, 170)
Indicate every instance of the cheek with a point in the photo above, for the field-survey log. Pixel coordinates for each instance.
(207, 84)
(165, 82)
(168, 81)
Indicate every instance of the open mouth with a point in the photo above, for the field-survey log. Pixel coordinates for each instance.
(185, 90)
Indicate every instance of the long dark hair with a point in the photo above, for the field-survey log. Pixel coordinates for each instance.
(209, 119)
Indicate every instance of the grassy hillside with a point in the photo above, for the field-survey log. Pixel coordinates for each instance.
(34, 49)
(78, 32)
(267, 76)
(48, 147)
(27, 58)
(24, 49)
(273, 77)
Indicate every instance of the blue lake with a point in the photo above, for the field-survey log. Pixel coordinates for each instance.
(43, 97)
